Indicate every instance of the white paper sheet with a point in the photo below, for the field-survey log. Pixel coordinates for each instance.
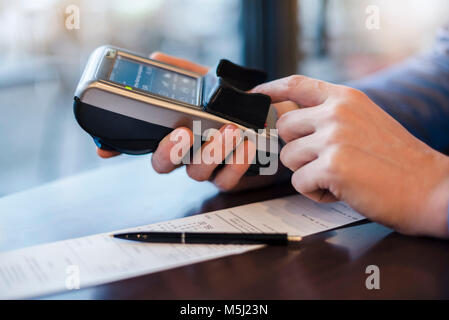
(97, 259)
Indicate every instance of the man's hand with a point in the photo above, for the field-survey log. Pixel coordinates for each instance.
(342, 146)
(231, 176)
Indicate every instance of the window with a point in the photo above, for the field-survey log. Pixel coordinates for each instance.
(338, 46)
(41, 60)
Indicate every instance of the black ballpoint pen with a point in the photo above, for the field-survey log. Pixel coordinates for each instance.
(210, 237)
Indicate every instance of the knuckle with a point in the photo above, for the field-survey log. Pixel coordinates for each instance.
(342, 106)
(334, 135)
(340, 112)
(294, 80)
(336, 158)
(321, 85)
(354, 94)
(351, 94)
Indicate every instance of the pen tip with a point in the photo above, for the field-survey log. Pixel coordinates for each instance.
(120, 236)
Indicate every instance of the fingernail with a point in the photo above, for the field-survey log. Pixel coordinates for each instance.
(228, 129)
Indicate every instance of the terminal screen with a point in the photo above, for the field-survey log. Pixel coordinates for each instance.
(155, 80)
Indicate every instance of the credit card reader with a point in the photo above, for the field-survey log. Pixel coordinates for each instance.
(129, 103)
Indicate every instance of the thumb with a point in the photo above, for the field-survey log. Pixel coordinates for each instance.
(304, 91)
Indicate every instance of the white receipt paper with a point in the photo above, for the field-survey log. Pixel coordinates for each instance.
(97, 259)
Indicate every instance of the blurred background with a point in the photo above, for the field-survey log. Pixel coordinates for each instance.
(43, 50)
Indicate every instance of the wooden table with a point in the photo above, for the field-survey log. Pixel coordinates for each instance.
(330, 265)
